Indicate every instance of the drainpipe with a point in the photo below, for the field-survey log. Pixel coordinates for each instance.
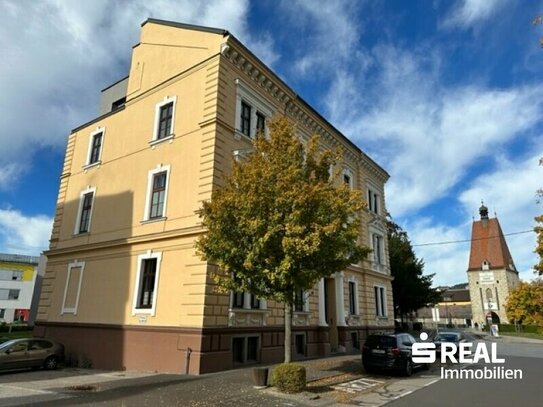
(188, 351)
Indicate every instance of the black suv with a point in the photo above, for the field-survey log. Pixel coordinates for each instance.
(390, 352)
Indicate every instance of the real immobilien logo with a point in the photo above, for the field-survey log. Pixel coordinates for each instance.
(464, 353)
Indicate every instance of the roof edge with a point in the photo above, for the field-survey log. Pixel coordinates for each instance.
(212, 30)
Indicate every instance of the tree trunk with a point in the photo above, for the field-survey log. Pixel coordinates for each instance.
(288, 332)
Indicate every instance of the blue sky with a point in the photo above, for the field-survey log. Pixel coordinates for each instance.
(446, 95)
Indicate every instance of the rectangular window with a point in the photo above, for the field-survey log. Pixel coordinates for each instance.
(238, 300)
(2, 313)
(17, 275)
(86, 209)
(299, 342)
(299, 301)
(9, 294)
(377, 249)
(96, 148)
(157, 195)
(245, 119)
(373, 201)
(352, 298)
(245, 349)
(147, 283)
(255, 302)
(380, 301)
(165, 117)
(260, 123)
(354, 340)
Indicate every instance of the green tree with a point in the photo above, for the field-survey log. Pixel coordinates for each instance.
(411, 289)
(525, 303)
(280, 223)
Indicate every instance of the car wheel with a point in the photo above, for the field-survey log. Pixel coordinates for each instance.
(408, 368)
(51, 363)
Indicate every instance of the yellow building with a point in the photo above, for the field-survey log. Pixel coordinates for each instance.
(124, 287)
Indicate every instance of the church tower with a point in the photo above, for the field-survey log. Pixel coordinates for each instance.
(491, 271)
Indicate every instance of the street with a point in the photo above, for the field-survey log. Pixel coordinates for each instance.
(329, 386)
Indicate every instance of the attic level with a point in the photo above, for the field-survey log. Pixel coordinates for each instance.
(113, 97)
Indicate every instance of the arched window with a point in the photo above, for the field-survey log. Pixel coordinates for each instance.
(489, 294)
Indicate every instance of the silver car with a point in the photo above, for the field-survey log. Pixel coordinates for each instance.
(30, 353)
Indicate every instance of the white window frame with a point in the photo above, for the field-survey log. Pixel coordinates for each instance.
(348, 172)
(150, 176)
(373, 235)
(245, 94)
(82, 194)
(352, 279)
(247, 297)
(305, 306)
(380, 300)
(373, 191)
(137, 286)
(158, 106)
(74, 264)
(98, 130)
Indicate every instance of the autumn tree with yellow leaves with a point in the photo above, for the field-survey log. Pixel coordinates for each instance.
(280, 222)
(525, 303)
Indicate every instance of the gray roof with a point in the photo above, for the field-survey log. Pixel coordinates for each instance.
(19, 258)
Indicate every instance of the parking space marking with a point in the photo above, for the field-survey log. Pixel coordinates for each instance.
(9, 386)
(358, 385)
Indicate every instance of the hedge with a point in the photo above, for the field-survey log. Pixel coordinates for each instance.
(289, 377)
(15, 327)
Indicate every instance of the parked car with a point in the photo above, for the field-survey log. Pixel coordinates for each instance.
(390, 352)
(30, 353)
(448, 337)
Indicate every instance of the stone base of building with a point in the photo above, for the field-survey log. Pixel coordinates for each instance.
(194, 350)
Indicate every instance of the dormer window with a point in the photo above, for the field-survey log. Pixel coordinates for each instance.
(485, 265)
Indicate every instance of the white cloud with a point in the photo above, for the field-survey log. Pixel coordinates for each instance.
(24, 234)
(331, 35)
(58, 55)
(510, 192)
(425, 134)
(467, 13)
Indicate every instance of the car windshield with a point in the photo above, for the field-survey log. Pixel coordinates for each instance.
(381, 341)
(7, 344)
(447, 337)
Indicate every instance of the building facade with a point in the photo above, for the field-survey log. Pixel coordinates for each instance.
(124, 286)
(18, 283)
(453, 308)
(491, 271)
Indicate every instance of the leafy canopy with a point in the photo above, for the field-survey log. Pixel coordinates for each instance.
(410, 288)
(280, 224)
(525, 303)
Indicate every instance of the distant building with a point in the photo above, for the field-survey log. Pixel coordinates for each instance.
(18, 287)
(454, 308)
(491, 271)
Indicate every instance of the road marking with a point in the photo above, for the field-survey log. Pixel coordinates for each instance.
(26, 389)
(358, 385)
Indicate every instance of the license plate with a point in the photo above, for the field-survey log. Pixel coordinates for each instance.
(380, 351)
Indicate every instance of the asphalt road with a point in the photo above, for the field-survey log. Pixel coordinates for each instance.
(525, 392)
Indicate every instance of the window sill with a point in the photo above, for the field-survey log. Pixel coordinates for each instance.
(82, 234)
(154, 142)
(89, 166)
(143, 311)
(154, 220)
(238, 135)
(301, 312)
(251, 310)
